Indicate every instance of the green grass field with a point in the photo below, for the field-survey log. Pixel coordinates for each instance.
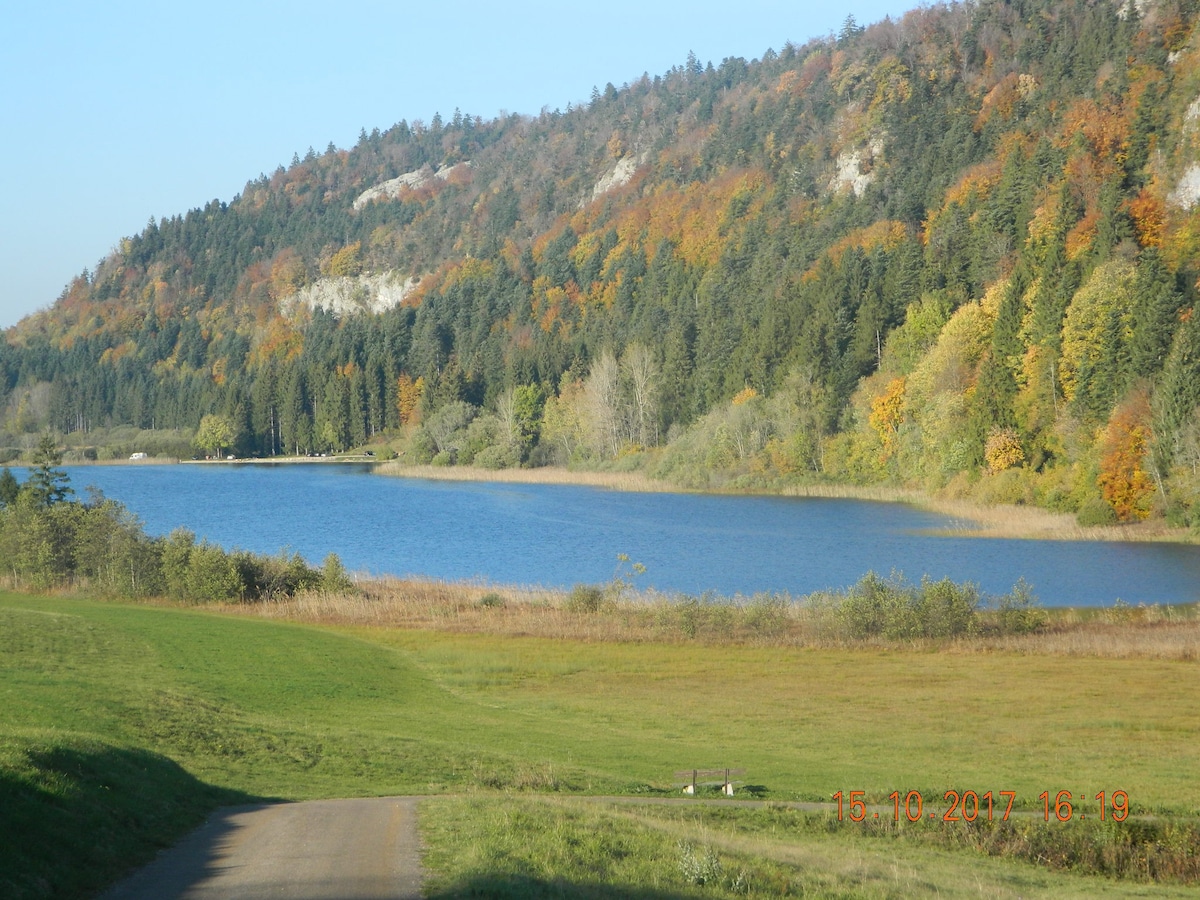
(133, 721)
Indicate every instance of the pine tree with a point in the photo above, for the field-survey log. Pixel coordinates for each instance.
(47, 484)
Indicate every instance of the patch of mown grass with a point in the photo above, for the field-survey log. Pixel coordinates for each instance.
(806, 723)
(269, 708)
(78, 813)
(122, 727)
(573, 848)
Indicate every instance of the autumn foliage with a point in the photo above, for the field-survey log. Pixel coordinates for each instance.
(1123, 480)
(887, 412)
(1003, 450)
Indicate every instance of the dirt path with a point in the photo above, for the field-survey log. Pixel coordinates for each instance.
(319, 850)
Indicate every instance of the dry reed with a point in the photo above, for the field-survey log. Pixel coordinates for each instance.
(1115, 633)
(618, 481)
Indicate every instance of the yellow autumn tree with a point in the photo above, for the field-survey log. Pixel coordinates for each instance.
(1086, 338)
(1003, 450)
(887, 412)
(347, 261)
(408, 398)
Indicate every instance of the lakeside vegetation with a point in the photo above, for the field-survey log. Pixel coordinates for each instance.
(614, 614)
(49, 539)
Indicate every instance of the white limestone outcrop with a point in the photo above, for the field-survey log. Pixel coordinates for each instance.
(393, 188)
(357, 294)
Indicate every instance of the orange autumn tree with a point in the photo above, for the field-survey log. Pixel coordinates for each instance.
(1124, 483)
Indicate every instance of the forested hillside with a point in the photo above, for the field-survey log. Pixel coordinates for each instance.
(956, 249)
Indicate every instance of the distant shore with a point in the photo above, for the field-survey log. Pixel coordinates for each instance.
(972, 519)
(357, 459)
(977, 519)
(282, 460)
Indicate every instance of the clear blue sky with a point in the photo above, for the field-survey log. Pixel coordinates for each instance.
(116, 112)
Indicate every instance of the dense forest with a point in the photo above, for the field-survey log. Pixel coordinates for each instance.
(958, 250)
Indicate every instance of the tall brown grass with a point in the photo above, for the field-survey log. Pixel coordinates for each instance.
(619, 481)
(1171, 633)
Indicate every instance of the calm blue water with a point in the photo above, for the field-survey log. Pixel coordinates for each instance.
(558, 535)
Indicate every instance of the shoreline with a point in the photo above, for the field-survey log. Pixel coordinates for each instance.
(972, 519)
(354, 459)
(1003, 521)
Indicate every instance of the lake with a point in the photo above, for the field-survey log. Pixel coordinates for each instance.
(559, 535)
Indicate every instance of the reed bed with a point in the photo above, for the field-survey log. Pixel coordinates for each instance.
(976, 519)
(1121, 632)
(973, 519)
(618, 481)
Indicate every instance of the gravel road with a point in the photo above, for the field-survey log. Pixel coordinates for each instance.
(318, 850)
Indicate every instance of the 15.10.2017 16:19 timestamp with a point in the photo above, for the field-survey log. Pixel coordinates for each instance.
(971, 806)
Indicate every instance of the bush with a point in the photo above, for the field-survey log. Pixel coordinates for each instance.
(1096, 512)
(491, 600)
(895, 609)
(767, 614)
(212, 575)
(422, 449)
(497, 456)
(269, 577)
(1018, 611)
(947, 608)
(587, 598)
(482, 434)
(333, 577)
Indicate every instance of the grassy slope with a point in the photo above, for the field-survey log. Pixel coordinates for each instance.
(101, 702)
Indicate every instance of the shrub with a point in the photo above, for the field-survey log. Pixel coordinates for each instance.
(211, 575)
(422, 449)
(491, 600)
(1096, 512)
(862, 611)
(895, 609)
(333, 575)
(497, 456)
(1018, 611)
(767, 613)
(587, 598)
(948, 609)
(60, 540)
(698, 867)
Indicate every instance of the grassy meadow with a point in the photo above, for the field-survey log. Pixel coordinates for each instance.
(133, 721)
